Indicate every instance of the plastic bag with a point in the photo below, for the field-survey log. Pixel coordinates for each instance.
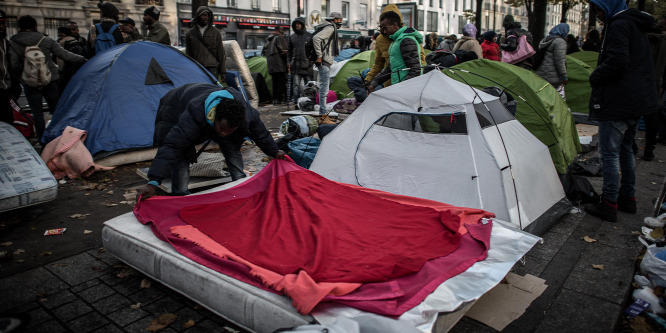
(653, 267)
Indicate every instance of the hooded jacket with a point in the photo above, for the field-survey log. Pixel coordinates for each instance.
(276, 60)
(468, 43)
(158, 33)
(382, 44)
(623, 83)
(106, 25)
(327, 35)
(48, 46)
(491, 50)
(404, 53)
(181, 123)
(300, 64)
(206, 48)
(553, 67)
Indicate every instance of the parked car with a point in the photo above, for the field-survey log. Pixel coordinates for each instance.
(251, 54)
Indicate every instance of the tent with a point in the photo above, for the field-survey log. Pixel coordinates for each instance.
(578, 90)
(353, 67)
(114, 95)
(259, 65)
(544, 114)
(346, 54)
(435, 138)
(588, 57)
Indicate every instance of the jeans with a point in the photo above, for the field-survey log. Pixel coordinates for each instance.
(34, 96)
(357, 85)
(234, 161)
(296, 84)
(180, 177)
(324, 72)
(617, 157)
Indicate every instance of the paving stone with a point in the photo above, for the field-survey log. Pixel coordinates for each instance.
(78, 269)
(552, 242)
(26, 307)
(38, 316)
(72, 310)
(186, 314)
(85, 285)
(88, 323)
(612, 282)
(163, 305)
(619, 235)
(96, 293)
(111, 303)
(568, 315)
(468, 325)
(110, 278)
(110, 329)
(533, 265)
(567, 224)
(555, 274)
(203, 327)
(58, 299)
(105, 256)
(527, 322)
(24, 287)
(146, 296)
(49, 327)
(127, 315)
(140, 326)
(128, 285)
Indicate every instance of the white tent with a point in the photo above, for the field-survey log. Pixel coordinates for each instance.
(436, 138)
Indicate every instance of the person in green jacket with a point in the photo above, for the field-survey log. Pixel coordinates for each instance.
(404, 51)
(156, 31)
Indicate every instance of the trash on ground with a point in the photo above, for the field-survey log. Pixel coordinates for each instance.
(589, 239)
(189, 323)
(135, 306)
(647, 294)
(641, 280)
(7, 243)
(636, 308)
(51, 232)
(78, 216)
(598, 267)
(85, 232)
(655, 222)
(145, 283)
(161, 322)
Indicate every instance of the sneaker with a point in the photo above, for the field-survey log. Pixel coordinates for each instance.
(626, 204)
(648, 155)
(604, 210)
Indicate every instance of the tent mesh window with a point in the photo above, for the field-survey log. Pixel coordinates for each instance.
(451, 123)
(495, 114)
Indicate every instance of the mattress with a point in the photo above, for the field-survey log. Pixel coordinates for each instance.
(236, 62)
(24, 178)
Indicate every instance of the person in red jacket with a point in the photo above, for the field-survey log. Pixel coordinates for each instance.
(490, 48)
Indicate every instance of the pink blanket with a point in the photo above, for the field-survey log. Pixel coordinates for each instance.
(67, 156)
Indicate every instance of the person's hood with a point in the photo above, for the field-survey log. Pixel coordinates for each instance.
(544, 43)
(508, 20)
(408, 31)
(392, 8)
(469, 30)
(560, 30)
(201, 10)
(302, 22)
(27, 38)
(211, 104)
(272, 35)
(643, 20)
(610, 7)
(489, 35)
(67, 39)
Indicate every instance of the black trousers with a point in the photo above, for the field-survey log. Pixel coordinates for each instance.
(6, 114)
(279, 86)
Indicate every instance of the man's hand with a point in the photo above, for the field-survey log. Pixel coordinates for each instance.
(370, 89)
(280, 155)
(145, 193)
(565, 81)
(126, 28)
(318, 62)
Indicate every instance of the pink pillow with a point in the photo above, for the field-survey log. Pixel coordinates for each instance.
(331, 97)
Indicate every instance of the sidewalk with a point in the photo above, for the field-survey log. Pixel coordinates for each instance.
(93, 291)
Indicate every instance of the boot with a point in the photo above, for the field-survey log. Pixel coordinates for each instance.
(648, 154)
(604, 210)
(626, 204)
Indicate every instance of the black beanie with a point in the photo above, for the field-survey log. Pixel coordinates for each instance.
(108, 10)
(153, 12)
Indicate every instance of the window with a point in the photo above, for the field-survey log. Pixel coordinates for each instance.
(461, 24)
(441, 3)
(420, 25)
(486, 6)
(276, 6)
(451, 123)
(496, 113)
(325, 7)
(345, 14)
(255, 4)
(12, 27)
(432, 22)
(421, 2)
(362, 15)
(456, 6)
(254, 42)
(487, 22)
(231, 3)
(148, 2)
(51, 26)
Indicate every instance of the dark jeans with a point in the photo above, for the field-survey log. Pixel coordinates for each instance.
(6, 114)
(617, 157)
(279, 86)
(180, 174)
(296, 84)
(34, 96)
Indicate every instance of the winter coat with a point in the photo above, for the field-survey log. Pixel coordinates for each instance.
(158, 33)
(321, 39)
(276, 59)
(447, 45)
(5, 78)
(206, 49)
(553, 67)
(106, 24)
(511, 44)
(491, 50)
(300, 64)
(181, 124)
(469, 44)
(404, 52)
(70, 44)
(48, 46)
(592, 45)
(623, 85)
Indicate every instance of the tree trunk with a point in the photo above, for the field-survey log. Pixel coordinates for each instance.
(479, 8)
(592, 18)
(198, 3)
(530, 15)
(565, 9)
(539, 14)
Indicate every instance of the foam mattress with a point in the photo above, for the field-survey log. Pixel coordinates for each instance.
(24, 178)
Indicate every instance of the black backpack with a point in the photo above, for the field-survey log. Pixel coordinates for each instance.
(309, 43)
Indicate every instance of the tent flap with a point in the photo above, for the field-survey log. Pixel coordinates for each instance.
(155, 74)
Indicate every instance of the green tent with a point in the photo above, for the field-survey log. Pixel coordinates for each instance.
(259, 65)
(588, 57)
(578, 90)
(353, 67)
(544, 114)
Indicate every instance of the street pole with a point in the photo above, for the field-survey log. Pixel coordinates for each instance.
(494, 13)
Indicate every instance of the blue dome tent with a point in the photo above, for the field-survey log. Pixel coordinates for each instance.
(114, 96)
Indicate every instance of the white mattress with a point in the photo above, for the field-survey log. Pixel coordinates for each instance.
(236, 62)
(24, 178)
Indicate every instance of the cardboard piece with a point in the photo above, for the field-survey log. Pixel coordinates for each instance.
(507, 301)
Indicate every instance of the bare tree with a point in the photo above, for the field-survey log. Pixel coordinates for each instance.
(566, 5)
(477, 16)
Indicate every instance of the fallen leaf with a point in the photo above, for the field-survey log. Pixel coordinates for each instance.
(161, 322)
(43, 300)
(229, 329)
(46, 253)
(85, 232)
(19, 251)
(189, 323)
(111, 204)
(125, 273)
(20, 261)
(101, 250)
(88, 193)
(145, 283)
(657, 233)
(6, 243)
(589, 239)
(635, 232)
(78, 216)
(653, 183)
(660, 161)
(135, 306)
(110, 192)
(3, 254)
(599, 267)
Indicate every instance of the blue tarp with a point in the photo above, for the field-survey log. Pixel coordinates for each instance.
(303, 150)
(346, 54)
(114, 96)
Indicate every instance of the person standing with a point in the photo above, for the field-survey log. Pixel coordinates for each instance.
(127, 27)
(490, 48)
(276, 60)
(204, 43)
(326, 47)
(156, 31)
(468, 41)
(29, 36)
(513, 31)
(553, 67)
(431, 43)
(108, 24)
(299, 64)
(71, 44)
(6, 83)
(623, 89)
(448, 43)
(74, 28)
